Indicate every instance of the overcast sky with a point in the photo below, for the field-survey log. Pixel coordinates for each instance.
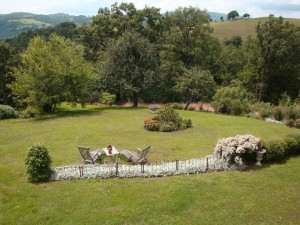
(256, 8)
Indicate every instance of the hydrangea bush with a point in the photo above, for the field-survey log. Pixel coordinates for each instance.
(232, 149)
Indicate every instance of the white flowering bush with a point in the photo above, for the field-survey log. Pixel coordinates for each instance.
(231, 149)
(87, 171)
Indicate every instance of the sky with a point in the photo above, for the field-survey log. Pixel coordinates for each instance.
(256, 8)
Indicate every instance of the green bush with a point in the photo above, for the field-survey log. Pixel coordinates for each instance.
(278, 114)
(107, 98)
(176, 105)
(38, 163)
(7, 112)
(167, 119)
(296, 137)
(275, 150)
(232, 100)
(292, 145)
(262, 109)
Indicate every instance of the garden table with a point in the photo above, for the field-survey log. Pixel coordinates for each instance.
(113, 154)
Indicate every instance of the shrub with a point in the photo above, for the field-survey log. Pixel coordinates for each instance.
(278, 114)
(38, 163)
(151, 125)
(107, 98)
(296, 137)
(176, 105)
(262, 109)
(275, 151)
(7, 112)
(167, 119)
(232, 100)
(291, 145)
(233, 149)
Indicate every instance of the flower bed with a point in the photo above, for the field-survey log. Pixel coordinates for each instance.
(88, 171)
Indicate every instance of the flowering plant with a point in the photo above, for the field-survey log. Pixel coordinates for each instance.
(231, 149)
(151, 125)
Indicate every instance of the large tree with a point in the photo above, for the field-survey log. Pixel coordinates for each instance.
(113, 22)
(279, 62)
(51, 72)
(195, 85)
(8, 59)
(129, 66)
(232, 15)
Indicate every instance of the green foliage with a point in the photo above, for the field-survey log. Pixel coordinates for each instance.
(236, 41)
(278, 114)
(232, 100)
(167, 119)
(291, 145)
(176, 106)
(232, 15)
(195, 85)
(275, 150)
(129, 66)
(262, 109)
(8, 59)
(296, 137)
(107, 98)
(51, 72)
(7, 112)
(38, 162)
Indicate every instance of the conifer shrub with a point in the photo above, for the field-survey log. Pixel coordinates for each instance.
(38, 162)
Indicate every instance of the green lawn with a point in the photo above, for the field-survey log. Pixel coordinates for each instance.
(270, 195)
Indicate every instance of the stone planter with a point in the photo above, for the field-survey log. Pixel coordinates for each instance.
(259, 156)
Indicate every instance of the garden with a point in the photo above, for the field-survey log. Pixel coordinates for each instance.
(244, 196)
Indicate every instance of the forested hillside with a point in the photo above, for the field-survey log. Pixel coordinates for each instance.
(15, 23)
(144, 55)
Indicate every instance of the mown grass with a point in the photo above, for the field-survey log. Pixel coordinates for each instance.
(269, 195)
(243, 28)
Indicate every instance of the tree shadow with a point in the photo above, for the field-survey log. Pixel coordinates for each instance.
(78, 112)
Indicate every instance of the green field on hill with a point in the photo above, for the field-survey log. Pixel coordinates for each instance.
(243, 28)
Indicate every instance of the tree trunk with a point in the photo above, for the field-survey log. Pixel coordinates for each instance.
(135, 99)
(259, 91)
(187, 105)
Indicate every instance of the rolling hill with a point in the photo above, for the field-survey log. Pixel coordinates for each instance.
(14, 24)
(243, 28)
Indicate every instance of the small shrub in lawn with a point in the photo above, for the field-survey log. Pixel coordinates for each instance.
(262, 109)
(38, 163)
(275, 151)
(192, 108)
(166, 120)
(7, 112)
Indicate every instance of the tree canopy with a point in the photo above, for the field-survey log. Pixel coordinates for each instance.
(51, 72)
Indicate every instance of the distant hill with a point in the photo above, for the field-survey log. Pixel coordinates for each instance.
(13, 24)
(243, 28)
(215, 16)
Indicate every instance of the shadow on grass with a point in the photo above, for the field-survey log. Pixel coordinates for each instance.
(77, 112)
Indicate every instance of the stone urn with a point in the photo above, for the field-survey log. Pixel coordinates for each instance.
(259, 156)
(153, 109)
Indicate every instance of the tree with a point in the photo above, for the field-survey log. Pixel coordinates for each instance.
(113, 22)
(51, 72)
(232, 15)
(8, 59)
(129, 66)
(279, 62)
(195, 85)
(230, 62)
(246, 15)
